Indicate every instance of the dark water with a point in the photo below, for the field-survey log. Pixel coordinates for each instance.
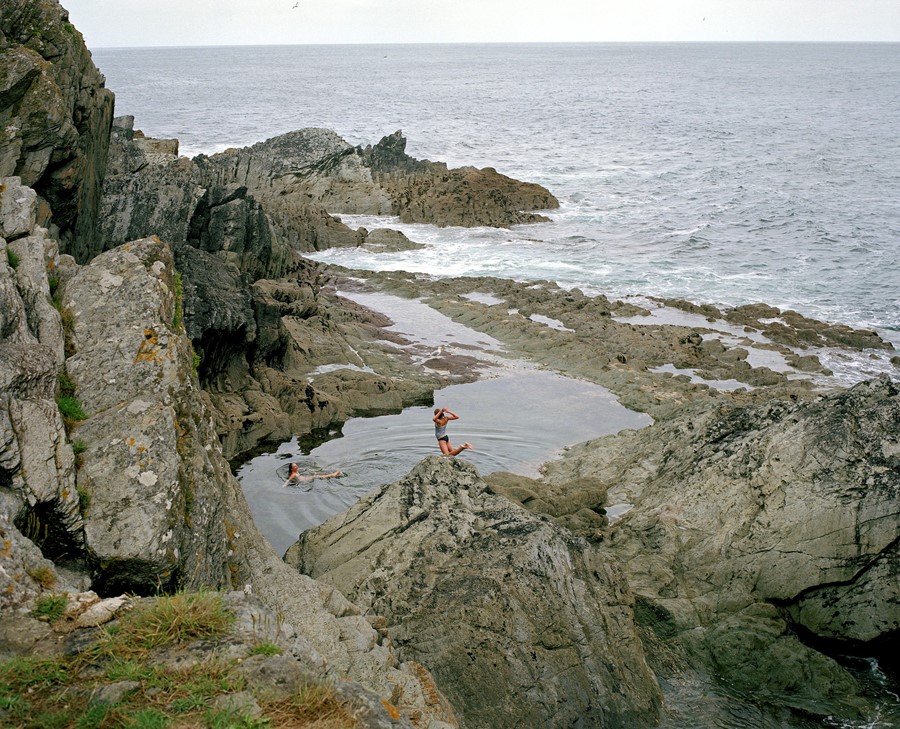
(724, 173)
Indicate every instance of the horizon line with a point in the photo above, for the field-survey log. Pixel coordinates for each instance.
(502, 43)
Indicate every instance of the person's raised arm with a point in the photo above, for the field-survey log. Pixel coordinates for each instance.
(450, 415)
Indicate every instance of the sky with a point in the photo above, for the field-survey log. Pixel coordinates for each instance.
(139, 23)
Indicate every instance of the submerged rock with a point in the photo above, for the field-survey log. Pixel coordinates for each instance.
(522, 624)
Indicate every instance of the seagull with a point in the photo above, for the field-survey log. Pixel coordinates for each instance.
(295, 5)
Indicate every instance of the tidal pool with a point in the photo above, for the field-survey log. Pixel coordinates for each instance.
(516, 421)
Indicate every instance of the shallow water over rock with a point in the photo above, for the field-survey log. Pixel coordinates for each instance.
(516, 421)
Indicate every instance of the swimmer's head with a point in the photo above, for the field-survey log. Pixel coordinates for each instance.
(438, 411)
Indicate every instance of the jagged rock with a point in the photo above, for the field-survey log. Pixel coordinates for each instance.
(736, 509)
(314, 166)
(522, 624)
(150, 190)
(37, 253)
(55, 116)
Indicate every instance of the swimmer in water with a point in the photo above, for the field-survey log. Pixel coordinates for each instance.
(294, 476)
(442, 416)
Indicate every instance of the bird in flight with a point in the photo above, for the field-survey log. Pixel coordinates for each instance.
(295, 5)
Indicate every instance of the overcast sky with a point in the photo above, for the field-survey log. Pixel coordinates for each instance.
(129, 23)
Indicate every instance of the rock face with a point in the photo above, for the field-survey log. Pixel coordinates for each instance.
(155, 513)
(150, 190)
(315, 165)
(751, 523)
(150, 502)
(39, 506)
(522, 624)
(55, 116)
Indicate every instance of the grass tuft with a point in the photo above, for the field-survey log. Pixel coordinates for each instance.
(171, 620)
(38, 693)
(70, 408)
(266, 649)
(178, 316)
(50, 607)
(45, 576)
(12, 258)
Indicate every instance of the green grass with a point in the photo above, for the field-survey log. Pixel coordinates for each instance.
(12, 258)
(70, 408)
(84, 497)
(50, 606)
(66, 386)
(266, 649)
(37, 693)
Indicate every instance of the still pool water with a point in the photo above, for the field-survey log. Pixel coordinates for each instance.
(516, 421)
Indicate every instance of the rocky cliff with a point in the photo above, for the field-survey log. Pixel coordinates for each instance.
(110, 465)
(55, 116)
(751, 526)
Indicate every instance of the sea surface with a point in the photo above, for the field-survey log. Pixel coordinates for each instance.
(721, 173)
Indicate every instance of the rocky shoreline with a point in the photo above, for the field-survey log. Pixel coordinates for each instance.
(158, 319)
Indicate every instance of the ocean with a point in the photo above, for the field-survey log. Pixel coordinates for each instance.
(719, 173)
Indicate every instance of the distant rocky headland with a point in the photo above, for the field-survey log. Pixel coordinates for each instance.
(159, 322)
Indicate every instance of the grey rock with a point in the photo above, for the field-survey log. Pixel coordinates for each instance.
(386, 240)
(155, 513)
(793, 504)
(113, 693)
(37, 254)
(520, 622)
(18, 208)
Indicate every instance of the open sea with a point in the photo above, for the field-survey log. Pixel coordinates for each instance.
(721, 173)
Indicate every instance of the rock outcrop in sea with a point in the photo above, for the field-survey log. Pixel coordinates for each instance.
(158, 319)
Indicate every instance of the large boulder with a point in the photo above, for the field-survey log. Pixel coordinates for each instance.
(522, 624)
(55, 116)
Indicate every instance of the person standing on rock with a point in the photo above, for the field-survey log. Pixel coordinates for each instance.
(442, 416)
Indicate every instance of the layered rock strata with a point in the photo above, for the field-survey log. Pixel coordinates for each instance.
(55, 116)
(749, 525)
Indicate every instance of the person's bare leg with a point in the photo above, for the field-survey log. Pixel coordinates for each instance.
(444, 445)
(457, 451)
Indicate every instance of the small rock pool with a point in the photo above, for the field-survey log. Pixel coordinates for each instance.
(516, 420)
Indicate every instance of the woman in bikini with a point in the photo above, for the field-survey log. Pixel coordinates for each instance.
(442, 416)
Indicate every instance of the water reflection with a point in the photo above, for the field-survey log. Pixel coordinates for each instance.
(516, 422)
